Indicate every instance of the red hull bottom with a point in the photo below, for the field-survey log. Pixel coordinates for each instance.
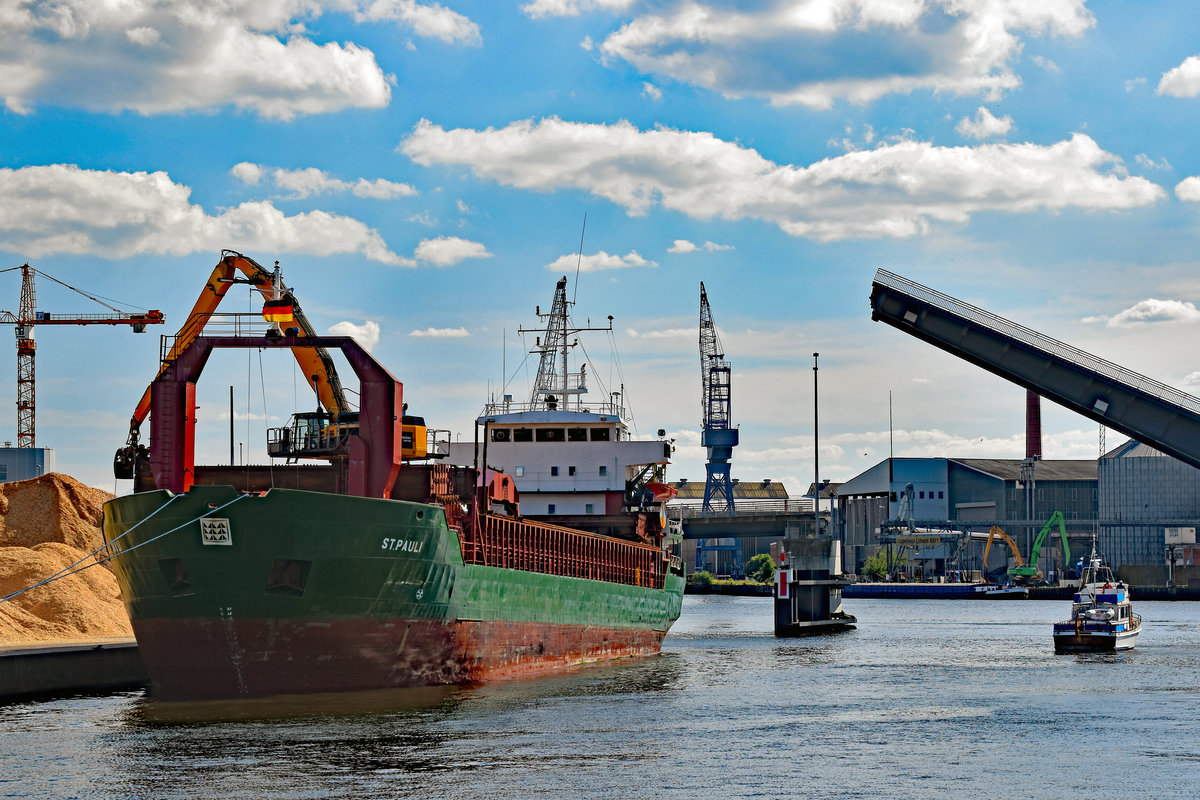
(217, 658)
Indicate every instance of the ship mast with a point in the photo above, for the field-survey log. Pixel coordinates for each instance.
(554, 383)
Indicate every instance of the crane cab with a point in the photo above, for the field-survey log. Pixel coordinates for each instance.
(318, 434)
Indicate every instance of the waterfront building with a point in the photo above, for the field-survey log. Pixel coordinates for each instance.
(967, 494)
(1153, 492)
(22, 463)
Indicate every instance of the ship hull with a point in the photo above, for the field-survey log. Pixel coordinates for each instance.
(297, 592)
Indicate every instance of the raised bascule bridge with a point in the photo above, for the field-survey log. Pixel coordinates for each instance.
(1142, 408)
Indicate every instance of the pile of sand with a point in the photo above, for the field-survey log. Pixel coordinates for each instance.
(46, 524)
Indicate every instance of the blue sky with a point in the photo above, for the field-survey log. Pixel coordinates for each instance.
(423, 170)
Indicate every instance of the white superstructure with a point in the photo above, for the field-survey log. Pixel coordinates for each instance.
(567, 454)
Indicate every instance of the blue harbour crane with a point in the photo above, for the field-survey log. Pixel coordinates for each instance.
(717, 434)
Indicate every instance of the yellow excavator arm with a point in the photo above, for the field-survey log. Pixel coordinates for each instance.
(316, 364)
(998, 531)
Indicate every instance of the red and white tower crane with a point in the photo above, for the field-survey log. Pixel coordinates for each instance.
(28, 317)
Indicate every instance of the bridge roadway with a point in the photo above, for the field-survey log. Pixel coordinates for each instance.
(749, 524)
(1140, 407)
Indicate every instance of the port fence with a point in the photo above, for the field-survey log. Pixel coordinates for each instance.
(508, 543)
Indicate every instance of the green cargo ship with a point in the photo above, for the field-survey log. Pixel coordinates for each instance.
(366, 570)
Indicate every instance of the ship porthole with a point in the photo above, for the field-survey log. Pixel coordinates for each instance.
(421, 514)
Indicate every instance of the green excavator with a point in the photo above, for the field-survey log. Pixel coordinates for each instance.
(1030, 571)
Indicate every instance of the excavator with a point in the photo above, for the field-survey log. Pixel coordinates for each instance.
(1022, 572)
(281, 308)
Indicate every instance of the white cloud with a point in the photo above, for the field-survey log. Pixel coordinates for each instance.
(463, 208)
(431, 20)
(143, 36)
(1188, 189)
(571, 8)
(1134, 83)
(366, 334)
(684, 246)
(440, 333)
(598, 262)
(669, 333)
(1151, 311)
(1146, 161)
(853, 50)
(652, 92)
(895, 190)
(1181, 81)
(445, 251)
(984, 125)
(247, 173)
(302, 183)
(1045, 64)
(61, 208)
(168, 56)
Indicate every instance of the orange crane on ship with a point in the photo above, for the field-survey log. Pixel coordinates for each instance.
(25, 320)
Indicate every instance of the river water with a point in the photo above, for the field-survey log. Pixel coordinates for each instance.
(947, 699)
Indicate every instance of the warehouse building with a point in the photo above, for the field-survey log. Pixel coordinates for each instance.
(969, 494)
(1157, 495)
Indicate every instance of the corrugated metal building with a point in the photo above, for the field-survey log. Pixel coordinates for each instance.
(1141, 484)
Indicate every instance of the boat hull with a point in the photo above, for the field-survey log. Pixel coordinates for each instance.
(298, 592)
(1069, 639)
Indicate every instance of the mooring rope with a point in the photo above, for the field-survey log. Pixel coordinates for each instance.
(70, 569)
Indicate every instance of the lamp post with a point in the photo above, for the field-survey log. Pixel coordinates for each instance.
(816, 459)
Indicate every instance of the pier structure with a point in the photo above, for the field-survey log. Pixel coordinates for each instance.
(721, 541)
(807, 552)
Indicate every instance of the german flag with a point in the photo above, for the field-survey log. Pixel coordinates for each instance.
(280, 311)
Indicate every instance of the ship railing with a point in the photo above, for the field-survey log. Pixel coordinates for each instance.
(512, 543)
(231, 325)
(602, 408)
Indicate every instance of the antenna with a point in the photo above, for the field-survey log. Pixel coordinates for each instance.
(579, 259)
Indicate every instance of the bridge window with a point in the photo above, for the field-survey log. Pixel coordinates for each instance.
(922, 495)
(576, 434)
(941, 495)
(603, 469)
(600, 435)
(519, 471)
(570, 470)
(501, 435)
(587, 508)
(550, 508)
(523, 435)
(551, 435)
(554, 472)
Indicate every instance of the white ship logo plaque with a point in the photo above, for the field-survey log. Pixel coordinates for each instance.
(216, 530)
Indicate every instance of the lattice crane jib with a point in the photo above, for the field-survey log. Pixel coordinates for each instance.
(27, 317)
(718, 435)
